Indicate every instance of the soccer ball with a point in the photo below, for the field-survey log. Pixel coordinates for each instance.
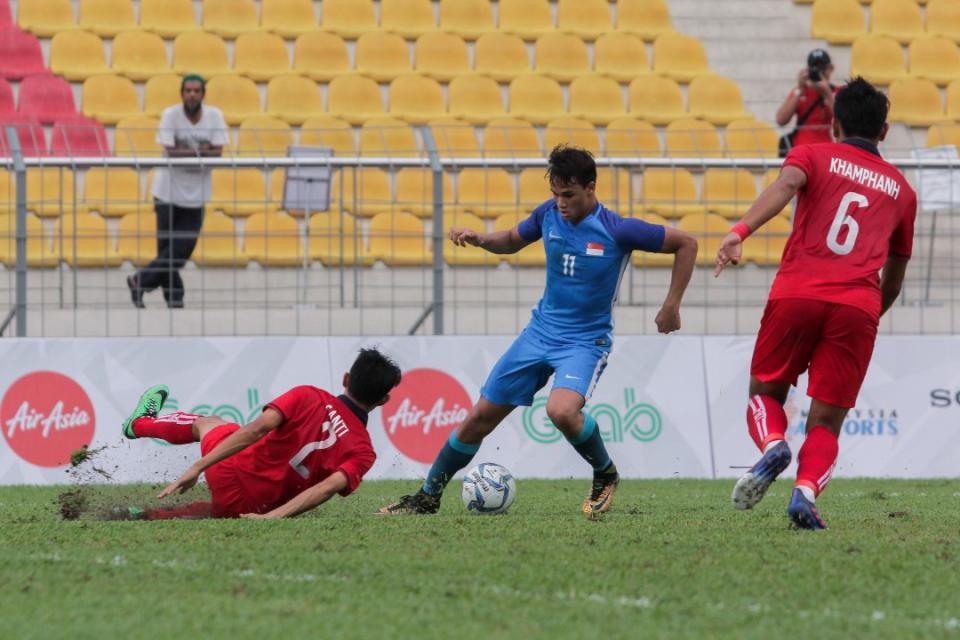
(488, 488)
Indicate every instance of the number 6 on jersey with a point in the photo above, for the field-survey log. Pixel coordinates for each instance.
(841, 220)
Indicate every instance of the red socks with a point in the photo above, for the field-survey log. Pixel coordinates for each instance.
(766, 420)
(817, 458)
(175, 428)
(192, 511)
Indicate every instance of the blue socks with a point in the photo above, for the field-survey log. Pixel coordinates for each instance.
(590, 445)
(454, 456)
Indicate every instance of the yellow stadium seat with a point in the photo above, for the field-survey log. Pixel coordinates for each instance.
(709, 229)
(878, 59)
(749, 138)
(765, 246)
(596, 98)
(614, 189)
(229, 18)
(44, 19)
(898, 19)
(388, 137)
(511, 138)
(487, 193)
(536, 98)
(679, 57)
(475, 98)
(645, 259)
(587, 19)
(399, 239)
(442, 56)
(837, 21)
(934, 58)
(364, 192)
(136, 136)
(716, 99)
(469, 19)
(408, 18)
(263, 135)
(236, 96)
(293, 98)
(629, 137)
(107, 17)
(39, 253)
(953, 100)
(112, 191)
(83, 240)
(416, 98)
(335, 240)
(348, 18)
(77, 55)
(110, 98)
(943, 134)
(621, 56)
(573, 131)
(692, 138)
(533, 189)
(354, 98)
(647, 19)
(728, 192)
(501, 56)
(670, 193)
(562, 56)
(327, 131)
(454, 138)
(769, 177)
(200, 52)
(8, 193)
(533, 254)
(321, 56)
(382, 56)
(260, 55)
(465, 256)
(160, 92)
(272, 239)
(167, 18)
(656, 99)
(137, 237)
(288, 18)
(916, 102)
(528, 19)
(237, 192)
(218, 244)
(139, 55)
(415, 191)
(943, 19)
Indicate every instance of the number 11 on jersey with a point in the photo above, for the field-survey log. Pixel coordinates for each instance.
(568, 261)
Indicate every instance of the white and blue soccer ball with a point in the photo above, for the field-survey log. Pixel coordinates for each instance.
(488, 488)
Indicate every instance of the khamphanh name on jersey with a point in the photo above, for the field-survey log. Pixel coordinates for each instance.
(865, 176)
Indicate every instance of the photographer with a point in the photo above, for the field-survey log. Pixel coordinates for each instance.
(812, 103)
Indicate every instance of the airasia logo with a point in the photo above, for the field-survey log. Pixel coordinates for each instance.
(45, 416)
(423, 410)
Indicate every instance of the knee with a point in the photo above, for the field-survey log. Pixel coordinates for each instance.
(564, 415)
(478, 425)
(204, 424)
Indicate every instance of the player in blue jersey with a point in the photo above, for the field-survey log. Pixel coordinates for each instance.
(571, 332)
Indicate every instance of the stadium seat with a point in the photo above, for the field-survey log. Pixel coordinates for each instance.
(74, 135)
(39, 253)
(136, 136)
(532, 189)
(46, 18)
(692, 138)
(644, 259)
(327, 131)
(107, 18)
(487, 193)
(621, 56)
(943, 134)
(536, 98)
(160, 92)
(943, 19)
(532, 255)
(29, 132)
(586, 19)
(83, 240)
(7, 104)
(469, 19)
(670, 193)
(363, 192)
(272, 239)
(218, 244)
(229, 18)
(237, 192)
(561, 56)
(416, 98)
(656, 99)
(511, 138)
(728, 192)
(415, 191)
(293, 98)
(139, 55)
(263, 135)
(679, 57)
(51, 192)
(768, 178)
(399, 240)
(168, 18)
(749, 138)
(110, 98)
(454, 138)
(934, 58)
(137, 237)
(46, 97)
(20, 54)
(261, 55)
(354, 98)
(953, 100)
(501, 56)
(200, 52)
(77, 55)
(388, 138)
(237, 97)
(475, 98)
(716, 99)
(916, 102)
(408, 18)
(647, 19)
(335, 240)
(348, 18)
(573, 131)
(614, 187)
(442, 56)
(113, 192)
(767, 243)
(528, 19)
(321, 56)
(465, 256)
(288, 18)
(897, 19)
(596, 98)
(837, 21)
(878, 59)
(382, 56)
(629, 137)
(709, 229)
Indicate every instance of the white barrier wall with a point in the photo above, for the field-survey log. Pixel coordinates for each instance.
(666, 406)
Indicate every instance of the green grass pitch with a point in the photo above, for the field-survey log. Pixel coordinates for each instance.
(672, 560)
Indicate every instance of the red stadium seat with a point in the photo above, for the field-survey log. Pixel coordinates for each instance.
(28, 130)
(46, 97)
(78, 135)
(6, 98)
(20, 54)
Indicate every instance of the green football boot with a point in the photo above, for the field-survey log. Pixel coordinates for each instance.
(149, 405)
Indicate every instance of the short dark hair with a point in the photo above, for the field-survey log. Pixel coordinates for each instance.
(193, 77)
(569, 164)
(860, 109)
(372, 376)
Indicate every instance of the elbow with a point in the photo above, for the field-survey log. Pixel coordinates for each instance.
(690, 245)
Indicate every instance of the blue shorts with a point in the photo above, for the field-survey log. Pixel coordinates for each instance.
(528, 363)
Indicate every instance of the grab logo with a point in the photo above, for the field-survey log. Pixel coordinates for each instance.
(45, 416)
(423, 410)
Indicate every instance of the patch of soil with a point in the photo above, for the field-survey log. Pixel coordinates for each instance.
(72, 504)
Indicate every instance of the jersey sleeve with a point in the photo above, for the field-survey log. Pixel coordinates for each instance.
(289, 403)
(631, 234)
(901, 242)
(355, 467)
(802, 158)
(531, 229)
(165, 130)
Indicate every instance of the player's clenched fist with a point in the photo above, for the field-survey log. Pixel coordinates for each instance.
(730, 251)
(668, 319)
(464, 237)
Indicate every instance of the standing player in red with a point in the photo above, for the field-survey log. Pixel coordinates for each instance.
(306, 446)
(855, 216)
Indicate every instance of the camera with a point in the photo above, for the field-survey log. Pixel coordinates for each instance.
(814, 74)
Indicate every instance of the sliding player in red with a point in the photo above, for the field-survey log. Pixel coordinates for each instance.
(854, 219)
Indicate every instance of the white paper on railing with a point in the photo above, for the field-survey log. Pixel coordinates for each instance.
(937, 189)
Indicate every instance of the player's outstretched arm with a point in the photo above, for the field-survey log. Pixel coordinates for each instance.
(683, 246)
(891, 281)
(307, 499)
(508, 241)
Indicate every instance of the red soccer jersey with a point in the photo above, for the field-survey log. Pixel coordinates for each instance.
(319, 435)
(855, 211)
(816, 128)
